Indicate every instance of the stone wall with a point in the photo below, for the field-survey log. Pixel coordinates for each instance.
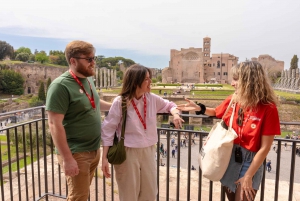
(33, 74)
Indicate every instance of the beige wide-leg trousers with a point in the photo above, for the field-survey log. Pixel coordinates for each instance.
(136, 176)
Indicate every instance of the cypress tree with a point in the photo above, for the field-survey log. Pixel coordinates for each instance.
(294, 62)
(41, 94)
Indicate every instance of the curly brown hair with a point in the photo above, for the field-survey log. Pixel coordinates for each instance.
(253, 85)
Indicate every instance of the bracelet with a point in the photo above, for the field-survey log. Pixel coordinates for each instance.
(203, 109)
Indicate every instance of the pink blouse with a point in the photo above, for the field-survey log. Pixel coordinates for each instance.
(135, 134)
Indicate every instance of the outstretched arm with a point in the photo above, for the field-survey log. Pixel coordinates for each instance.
(192, 106)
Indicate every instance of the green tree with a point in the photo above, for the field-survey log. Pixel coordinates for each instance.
(114, 61)
(6, 50)
(99, 59)
(41, 94)
(23, 50)
(294, 62)
(41, 57)
(159, 78)
(154, 80)
(11, 82)
(120, 75)
(58, 57)
(31, 57)
(22, 56)
(48, 82)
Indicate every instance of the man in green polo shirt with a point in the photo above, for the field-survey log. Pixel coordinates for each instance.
(74, 119)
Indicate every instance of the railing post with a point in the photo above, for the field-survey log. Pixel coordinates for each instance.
(292, 172)
(45, 151)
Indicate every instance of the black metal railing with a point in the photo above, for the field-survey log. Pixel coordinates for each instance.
(29, 170)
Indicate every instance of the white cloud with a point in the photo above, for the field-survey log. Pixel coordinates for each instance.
(243, 28)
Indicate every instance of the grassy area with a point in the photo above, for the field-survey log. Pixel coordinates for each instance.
(19, 62)
(3, 138)
(55, 65)
(21, 164)
(288, 96)
(3, 149)
(11, 62)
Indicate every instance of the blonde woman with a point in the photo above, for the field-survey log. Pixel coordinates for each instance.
(256, 122)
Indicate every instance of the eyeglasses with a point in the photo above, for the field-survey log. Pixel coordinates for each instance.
(88, 59)
(240, 118)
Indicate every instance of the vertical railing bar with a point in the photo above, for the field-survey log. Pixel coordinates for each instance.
(200, 171)
(45, 152)
(59, 180)
(189, 167)
(210, 190)
(25, 161)
(1, 174)
(96, 183)
(67, 189)
(292, 172)
(104, 188)
(277, 170)
(157, 163)
(222, 198)
(18, 162)
(38, 157)
(112, 182)
(9, 165)
(32, 162)
(178, 165)
(52, 165)
(168, 166)
(262, 188)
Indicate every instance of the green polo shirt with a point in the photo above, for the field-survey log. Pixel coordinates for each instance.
(82, 123)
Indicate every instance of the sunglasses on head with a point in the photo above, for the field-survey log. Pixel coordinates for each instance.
(240, 118)
(89, 59)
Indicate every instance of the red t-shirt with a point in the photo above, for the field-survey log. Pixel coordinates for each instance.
(263, 120)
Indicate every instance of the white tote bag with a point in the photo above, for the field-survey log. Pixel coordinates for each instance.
(216, 152)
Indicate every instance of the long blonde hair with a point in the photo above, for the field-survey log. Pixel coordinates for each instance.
(253, 85)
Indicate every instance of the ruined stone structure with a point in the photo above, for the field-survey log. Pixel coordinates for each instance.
(33, 74)
(195, 65)
(198, 65)
(272, 67)
(289, 81)
(105, 78)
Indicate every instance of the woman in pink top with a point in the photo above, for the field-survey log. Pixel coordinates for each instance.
(136, 176)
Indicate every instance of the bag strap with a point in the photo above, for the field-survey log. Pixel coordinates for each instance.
(231, 117)
(232, 114)
(124, 115)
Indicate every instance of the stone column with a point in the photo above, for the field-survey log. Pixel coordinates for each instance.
(96, 77)
(115, 78)
(104, 77)
(109, 77)
(100, 76)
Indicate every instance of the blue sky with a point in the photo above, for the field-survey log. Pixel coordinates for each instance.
(145, 31)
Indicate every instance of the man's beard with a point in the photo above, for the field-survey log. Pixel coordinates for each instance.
(85, 71)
